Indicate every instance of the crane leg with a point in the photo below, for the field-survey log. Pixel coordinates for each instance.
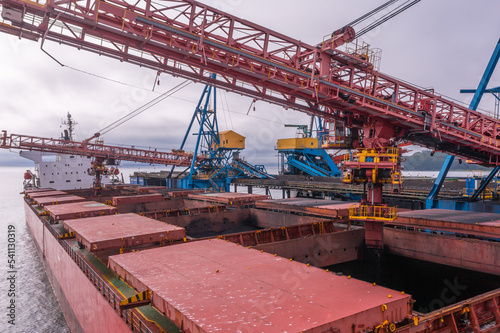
(433, 194)
(484, 184)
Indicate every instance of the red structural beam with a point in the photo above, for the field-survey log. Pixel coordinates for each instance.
(477, 314)
(192, 40)
(96, 150)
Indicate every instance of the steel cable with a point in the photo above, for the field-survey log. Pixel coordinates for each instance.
(387, 17)
(144, 107)
(371, 13)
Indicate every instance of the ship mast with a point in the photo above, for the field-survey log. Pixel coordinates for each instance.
(70, 126)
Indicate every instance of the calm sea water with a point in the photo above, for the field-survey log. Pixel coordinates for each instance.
(37, 309)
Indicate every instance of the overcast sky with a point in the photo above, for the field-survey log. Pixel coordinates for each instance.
(443, 44)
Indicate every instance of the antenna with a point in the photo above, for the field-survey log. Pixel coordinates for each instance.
(70, 126)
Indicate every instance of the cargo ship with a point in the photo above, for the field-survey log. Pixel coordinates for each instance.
(152, 259)
(124, 258)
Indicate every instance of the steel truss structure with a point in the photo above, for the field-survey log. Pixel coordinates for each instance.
(98, 151)
(192, 40)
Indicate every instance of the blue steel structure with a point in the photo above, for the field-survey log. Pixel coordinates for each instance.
(478, 94)
(221, 164)
(310, 161)
(494, 91)
(484, 184)
(318, 125)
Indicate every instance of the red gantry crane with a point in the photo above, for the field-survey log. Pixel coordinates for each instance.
(189, 39)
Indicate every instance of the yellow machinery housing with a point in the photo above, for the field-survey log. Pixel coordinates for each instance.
(386, 160)
(231, 140)
(298, 143)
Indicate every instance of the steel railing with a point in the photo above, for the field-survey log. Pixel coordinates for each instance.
(382, 213)
(135, 323)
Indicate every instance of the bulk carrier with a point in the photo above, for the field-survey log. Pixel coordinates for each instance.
(151, 259)
(127, 258)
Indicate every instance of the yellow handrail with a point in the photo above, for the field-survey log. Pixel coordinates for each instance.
(381, 213)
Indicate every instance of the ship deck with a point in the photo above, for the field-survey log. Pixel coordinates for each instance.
(258, 268)
(120, 231)
(150, 313)
(451, 216)
(45, 193)
(214, 285)
(56, 200)
(79, 210)
(326, 208)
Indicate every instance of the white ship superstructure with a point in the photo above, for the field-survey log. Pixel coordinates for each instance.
(62, 171)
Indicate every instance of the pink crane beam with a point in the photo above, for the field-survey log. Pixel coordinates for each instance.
(192, 40)
(95, 150)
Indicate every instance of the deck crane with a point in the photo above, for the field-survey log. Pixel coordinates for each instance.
(189, 39)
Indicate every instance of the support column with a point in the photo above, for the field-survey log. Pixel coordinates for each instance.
(374, 194)
(374, 234)
(484, 184)
(433, 195)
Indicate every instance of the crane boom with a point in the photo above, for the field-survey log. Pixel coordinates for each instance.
(193, 40)
(95, 150)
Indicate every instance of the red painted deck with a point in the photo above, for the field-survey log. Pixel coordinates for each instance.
(304, 202)
(339, 206)
(134, 199)
(58, 200)
(114, 231)
(149, 189)
(181, 193)
(491, 224)
(229, 198)
(79, 210)
(462, 222)
(213, 285)
(450, 216)
(330, 208)
(477, 251)
(41, 194)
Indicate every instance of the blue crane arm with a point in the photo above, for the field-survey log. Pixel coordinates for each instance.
(478, 95)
